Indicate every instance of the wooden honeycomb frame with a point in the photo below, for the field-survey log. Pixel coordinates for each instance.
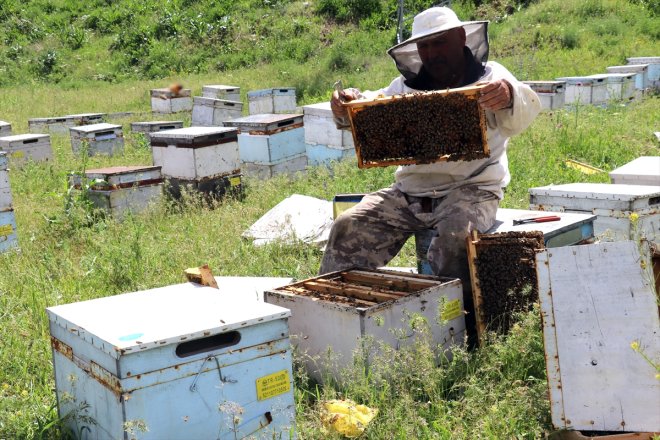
(403, 127)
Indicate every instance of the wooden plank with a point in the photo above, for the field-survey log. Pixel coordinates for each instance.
(388, 281)
(476, 288)
(602, 301)
(350, 291)
(328, 297)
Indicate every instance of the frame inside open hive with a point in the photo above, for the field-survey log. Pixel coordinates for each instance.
(503, 274)
(418, 128)
(362, 288)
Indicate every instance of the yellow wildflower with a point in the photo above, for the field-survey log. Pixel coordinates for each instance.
(634, 345)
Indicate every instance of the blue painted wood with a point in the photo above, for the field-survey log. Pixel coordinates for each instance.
(124, 357)
(8, 239)
(322, 154)
(267, 149)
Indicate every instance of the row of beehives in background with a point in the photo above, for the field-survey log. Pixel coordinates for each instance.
(619, 84)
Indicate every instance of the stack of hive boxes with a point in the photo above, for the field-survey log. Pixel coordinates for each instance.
(205, 159)
(551, 93)
(271, 144)
(278, 100)
(168, 101)
(8, 237)
(323, 141)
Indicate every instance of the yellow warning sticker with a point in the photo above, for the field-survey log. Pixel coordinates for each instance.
(451, 310)
(234, 181)
(18, 154)
(273, 385)
(6, 230)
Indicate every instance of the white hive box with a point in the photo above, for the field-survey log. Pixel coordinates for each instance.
(55, 124)
(288, 167)
(211, 112)
(184, 361)
(118, 190)
(654, 69)
(335, 311)
(596, 300)
(165, 101)
(644, 170)
(5, 128)
(324, 142)
(611, 204)
(620, 86)
(100, 138)
(278, 100)
(87, 118)
(195, 153)
(229, 93)
(551, 93)
(23, 147)
(641, 72)
(153, 126)
(8, 238)
(582, 90)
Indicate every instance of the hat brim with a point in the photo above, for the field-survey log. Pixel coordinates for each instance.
(435, 31)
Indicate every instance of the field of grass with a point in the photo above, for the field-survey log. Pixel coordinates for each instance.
(65, 255)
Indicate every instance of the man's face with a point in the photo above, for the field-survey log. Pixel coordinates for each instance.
(442, 55)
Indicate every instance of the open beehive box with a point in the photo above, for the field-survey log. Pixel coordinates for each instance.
(332, 313)
(503, 274)
(418, 128)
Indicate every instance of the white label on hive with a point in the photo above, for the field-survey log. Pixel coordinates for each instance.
(273, 385)
(6, 230)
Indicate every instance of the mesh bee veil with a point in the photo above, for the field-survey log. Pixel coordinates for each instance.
(433, 22)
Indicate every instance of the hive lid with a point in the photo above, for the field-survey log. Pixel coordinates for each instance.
(217, 103)
(319, 109)
(643, 60)
(614, 77)
(151, 318)
(113, 171)
(168, 94)
(92, 128)
(598, 191)
(648, 166)
(579, 80)
(3, 123)
(194, 136)
(545, 86)
(266, 122)
(629, 68)
(52, 119)
(152, 123)
(220, 87)
(5, 140)
(119, 177)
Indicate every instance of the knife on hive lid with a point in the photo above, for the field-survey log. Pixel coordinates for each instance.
(543, 219)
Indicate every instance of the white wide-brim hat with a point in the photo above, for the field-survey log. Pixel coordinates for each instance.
(435, 21)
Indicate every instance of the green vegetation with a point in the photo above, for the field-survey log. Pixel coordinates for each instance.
(60, 57)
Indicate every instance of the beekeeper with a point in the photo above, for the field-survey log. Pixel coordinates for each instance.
(452, 198)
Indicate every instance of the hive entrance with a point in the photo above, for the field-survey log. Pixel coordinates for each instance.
(360, 288)
(419, 128)
(504, 280)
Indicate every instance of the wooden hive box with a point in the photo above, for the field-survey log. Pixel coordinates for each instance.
(444, 125)
(5, 128)
(23, 147)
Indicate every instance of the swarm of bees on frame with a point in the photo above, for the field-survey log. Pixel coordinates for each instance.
(421, 126)
(506, 270)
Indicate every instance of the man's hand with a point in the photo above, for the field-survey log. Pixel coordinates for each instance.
(496, 95)
(338, 109)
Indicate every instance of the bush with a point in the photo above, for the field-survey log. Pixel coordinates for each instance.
(345, 11)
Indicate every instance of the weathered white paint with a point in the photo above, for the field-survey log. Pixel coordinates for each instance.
(131, 341)
(644, 170)
(23, 147)
(596, 300)
(330, 333)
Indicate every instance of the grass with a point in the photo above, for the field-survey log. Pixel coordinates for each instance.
(496, 392)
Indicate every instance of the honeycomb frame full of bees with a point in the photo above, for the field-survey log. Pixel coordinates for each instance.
(504, 277)
(419, 128)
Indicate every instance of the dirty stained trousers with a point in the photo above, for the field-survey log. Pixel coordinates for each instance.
(372, 232)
